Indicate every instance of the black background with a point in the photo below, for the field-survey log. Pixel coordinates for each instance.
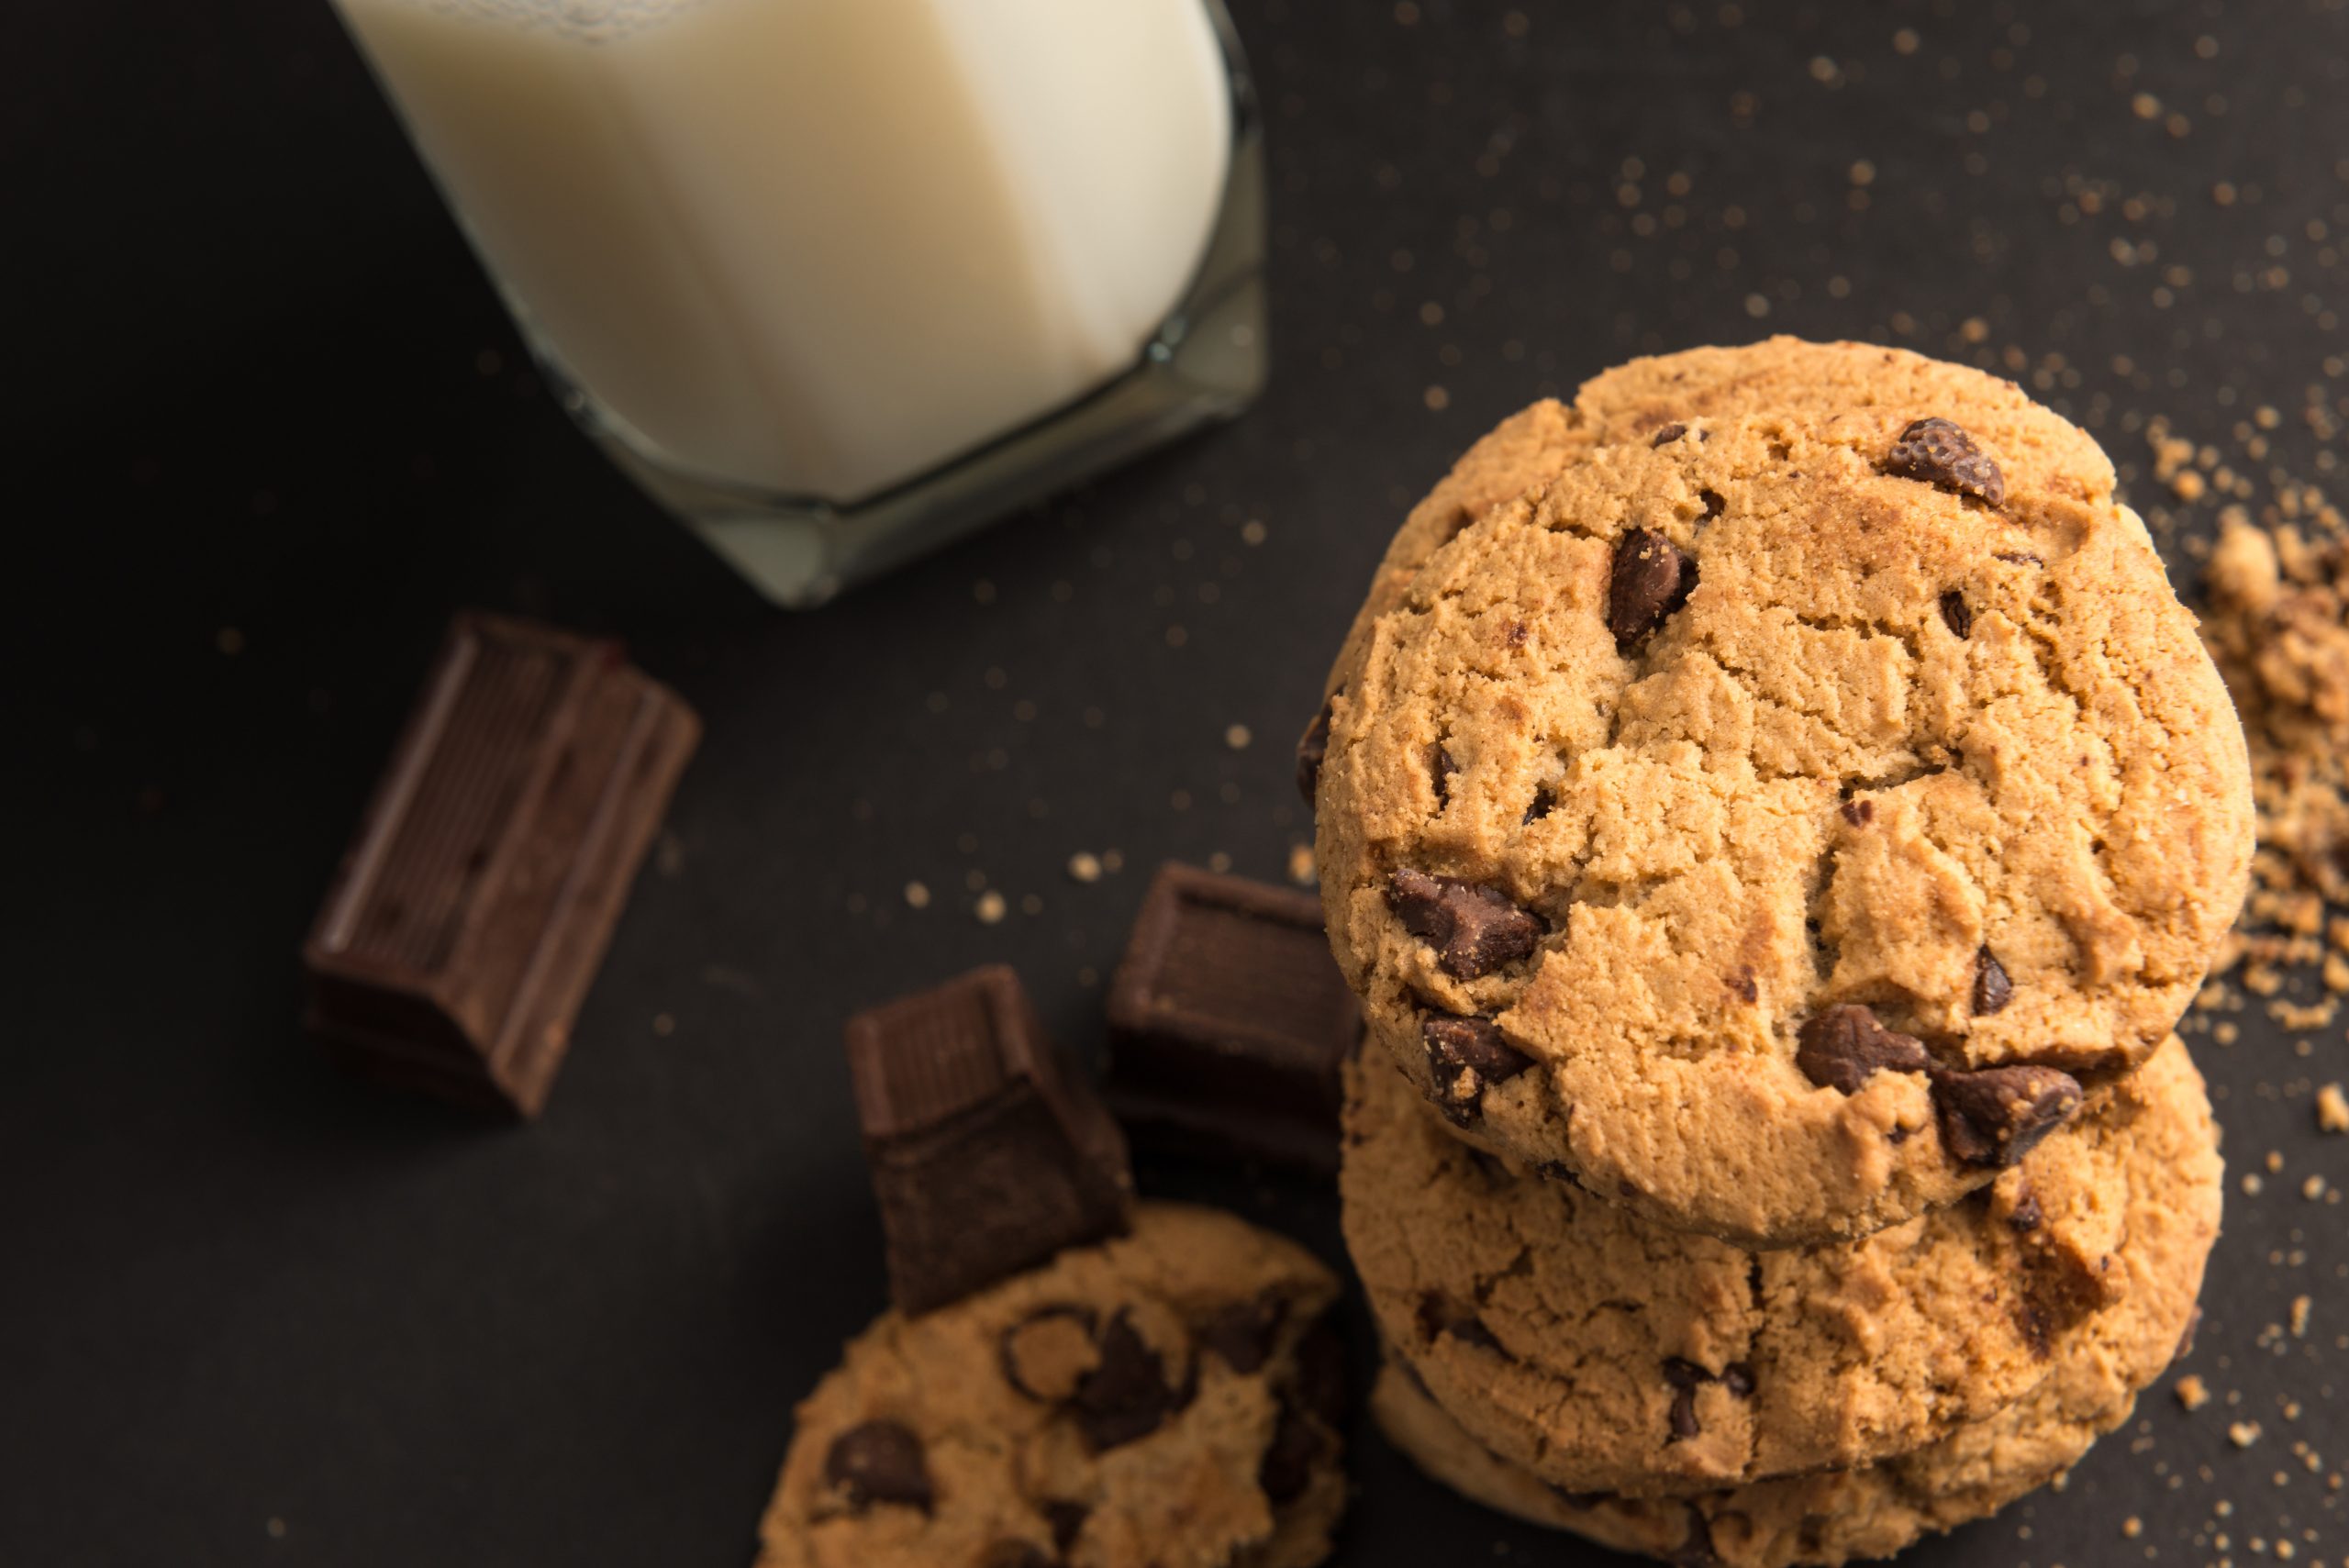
(267, 426)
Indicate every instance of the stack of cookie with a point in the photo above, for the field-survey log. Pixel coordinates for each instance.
(1773, 811)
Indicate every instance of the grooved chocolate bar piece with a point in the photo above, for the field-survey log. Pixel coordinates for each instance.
(988, 1153)
(475, 902)
(1228, 1020)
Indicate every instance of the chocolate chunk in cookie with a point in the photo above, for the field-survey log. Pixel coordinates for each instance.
(1650, 580)
(1313, 750)
(1441, 767)
(1992, 989)
(1465, 1054)
(879, 1461)
(1936, 451)
(1126, 1394)
(1998, 1115)
(1241, 1333)
(1669, 434)
(1473, 929)
(1957, 614)
(1843, 1047)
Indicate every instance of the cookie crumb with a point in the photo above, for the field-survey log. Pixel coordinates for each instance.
(990, 908)
(1237, 737)
(2243, 1434)
(918, 895)
(2301, 1308)
(2331, 1110)
(1084, 866)
(2191, 1392)
(1302, 872)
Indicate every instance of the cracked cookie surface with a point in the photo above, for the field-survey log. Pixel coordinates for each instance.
(1603, 1354)
(1754, 683)
(1168, 1399)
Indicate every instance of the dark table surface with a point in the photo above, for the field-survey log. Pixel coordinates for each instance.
(268, 427)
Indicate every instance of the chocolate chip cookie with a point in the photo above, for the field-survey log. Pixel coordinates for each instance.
(1169, 1399)
(1787, 811)
(1604, 1355)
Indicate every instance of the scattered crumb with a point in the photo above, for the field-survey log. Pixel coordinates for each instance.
(1237, 737)
(1301, 869)
(1084, 866)
(2132, 1527)
(2301, 1308)
(989, 908)
(2251, 1184)
(918, 895)
(2313, 1188)
(2191, 1392)
(2243, 1434)
(2332, 1108)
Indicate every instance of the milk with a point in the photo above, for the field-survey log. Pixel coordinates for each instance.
(818, 247)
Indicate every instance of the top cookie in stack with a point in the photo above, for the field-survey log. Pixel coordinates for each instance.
(1775, 790)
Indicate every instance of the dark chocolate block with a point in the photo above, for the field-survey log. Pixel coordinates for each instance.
(988, 1153)
(1228, 1020)
(474, 905)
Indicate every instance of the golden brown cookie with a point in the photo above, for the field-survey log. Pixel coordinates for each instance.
(1164, 1400)
(1779, 817)
(1603, 1354)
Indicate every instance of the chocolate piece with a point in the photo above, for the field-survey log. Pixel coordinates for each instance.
(474, 905)
(1126, 1395)
(1047, 1353)
(1441, 767)
(1998, 1115)
(1313, 748)
(1738, 1378)
(1473, 929)
(1067, 1521)
(1465, 1054)
(1288, 1465)
(1843, 1047)
(1541, 805)
(1937, 452)
(1649, 579)
(988, 1154)
(1669, 434)
(1715, 505)
(1859, 813)
(1992, 989)
(1957, 614)
(879, 1461)
(1439, 1314)
(1241, 1333)
(1228, 1021)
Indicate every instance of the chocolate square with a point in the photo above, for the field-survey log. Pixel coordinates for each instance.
(988, 1153)
(1228, 1020)
(473, 907)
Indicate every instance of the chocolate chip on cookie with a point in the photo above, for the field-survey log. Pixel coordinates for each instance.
(1473, 929)
(1992, 989)
(1843, 1047)
(1669, 434)
(1650, 580)
(1686, 1377)
(1998, 1115)
(1541, 805)
(1957, 614)
(1938, 452)
(1465, 1055)
(1441, 767)
(1313, 748)
(1047, 1353)
(1126, 1394)
(1439, 1314)
(1288, 1465)
(879, 1461)
(1241, 1333)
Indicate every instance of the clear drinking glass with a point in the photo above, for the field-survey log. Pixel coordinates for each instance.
(838, 280)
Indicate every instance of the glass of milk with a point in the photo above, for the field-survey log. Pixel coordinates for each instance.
(837, 280)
